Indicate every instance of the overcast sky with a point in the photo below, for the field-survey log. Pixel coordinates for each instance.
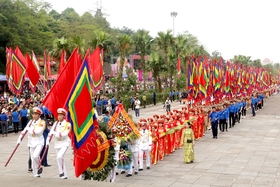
(233, 27)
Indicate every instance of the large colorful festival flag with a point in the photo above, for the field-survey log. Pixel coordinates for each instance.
(227, 82)
(32, 74)
(179, 66)
(45, 72)
(62, 61)
(81, 115)
(17, 71)
(62, 86)
(96, 70)
(35, 62)
(190, 77)
(8, 62)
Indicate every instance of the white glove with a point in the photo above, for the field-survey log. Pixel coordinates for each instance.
(30, 130)
(18, 141)
(52, 132)
(57, 135)
(47, 143)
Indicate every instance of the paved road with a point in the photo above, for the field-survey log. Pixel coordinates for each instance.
(246, 155)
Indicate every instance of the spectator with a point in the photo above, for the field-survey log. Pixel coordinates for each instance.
(154, 98)
(168, 104)
(15, 118)
(144, 100)
(137, 107)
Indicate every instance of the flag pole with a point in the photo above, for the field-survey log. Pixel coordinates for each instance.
(16, 147)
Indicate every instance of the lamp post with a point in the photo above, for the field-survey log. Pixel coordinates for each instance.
(173, 14)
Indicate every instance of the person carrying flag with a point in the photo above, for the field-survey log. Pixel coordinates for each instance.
(35, 129)
(60, 131)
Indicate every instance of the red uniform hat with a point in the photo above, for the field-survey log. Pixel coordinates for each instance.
(184, 108)
(160, 121)
(143, 120)
(156, 116)
(37, 110)
(62, 111)
(151, 119)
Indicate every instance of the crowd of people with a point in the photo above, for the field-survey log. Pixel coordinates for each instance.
(161, 135)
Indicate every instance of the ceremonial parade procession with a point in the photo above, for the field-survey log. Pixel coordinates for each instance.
(85, 103)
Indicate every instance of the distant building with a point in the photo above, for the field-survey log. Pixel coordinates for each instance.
(266, 61)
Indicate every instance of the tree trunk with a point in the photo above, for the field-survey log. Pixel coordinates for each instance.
(170, 82)
(120, 73)
(159, 84)
(187, 74)
(144, 69)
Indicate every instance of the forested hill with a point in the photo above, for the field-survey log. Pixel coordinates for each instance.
(34, 25)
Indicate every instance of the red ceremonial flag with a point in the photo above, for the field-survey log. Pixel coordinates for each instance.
(32, 73)
(81, 115)
(179, 65)
(49, 70)
(8, 62)
(59, 92)
(17, 71)
(95, 64)
(35, 61)
(62, 61)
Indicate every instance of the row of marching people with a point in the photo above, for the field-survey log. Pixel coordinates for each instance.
(163, 134)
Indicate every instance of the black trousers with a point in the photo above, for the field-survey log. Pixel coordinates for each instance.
(23, 122)
(231, 119)
(243, 111)
(214, 126)
(223, 125)
(16, 124)
(238, 115)
(154, 99)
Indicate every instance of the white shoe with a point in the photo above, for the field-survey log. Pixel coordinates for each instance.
(64, 177)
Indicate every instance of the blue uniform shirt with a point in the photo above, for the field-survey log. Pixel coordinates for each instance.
(231, 108)
(3, 117)
(99, 102)
(15, 117)
(106, 119)
(214, 116)
(224, 114)
(23, 113)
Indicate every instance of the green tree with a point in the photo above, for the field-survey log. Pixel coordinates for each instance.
(142, 41)
(155, 65)
(102, 40)
(123, 45)
(59, 45)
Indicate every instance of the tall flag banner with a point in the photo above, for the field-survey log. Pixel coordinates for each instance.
(49, 70)
(140, 75)
(62, 61)
(96, 70)
(45, 72)
(179, 65)
(32, 74)
(58, 93)
(190, 77)
(18, 67)
(216, 77)
(35, 61)
(227, 82)
(81, 114)
(8, 62)
(203, 80)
